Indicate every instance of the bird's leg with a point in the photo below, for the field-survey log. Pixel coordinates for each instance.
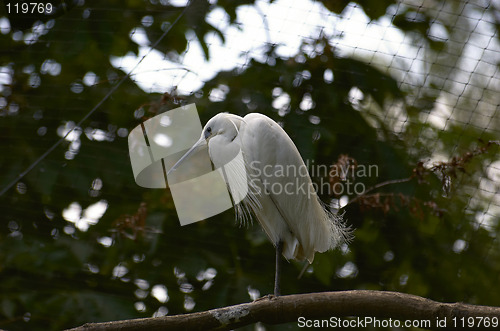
(279, 251)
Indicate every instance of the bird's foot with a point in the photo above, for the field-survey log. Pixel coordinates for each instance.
(266, 297)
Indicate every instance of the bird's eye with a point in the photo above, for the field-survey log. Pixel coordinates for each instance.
(208, 132)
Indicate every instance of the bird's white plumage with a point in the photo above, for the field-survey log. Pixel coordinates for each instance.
(281, 194)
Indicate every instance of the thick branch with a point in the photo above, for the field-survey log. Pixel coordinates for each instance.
(284, 309)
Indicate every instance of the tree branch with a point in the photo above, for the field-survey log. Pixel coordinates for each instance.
(271, 310)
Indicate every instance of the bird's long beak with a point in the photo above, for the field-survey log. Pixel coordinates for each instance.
(196, 147)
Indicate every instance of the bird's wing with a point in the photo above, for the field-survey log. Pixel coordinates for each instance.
(287, 183)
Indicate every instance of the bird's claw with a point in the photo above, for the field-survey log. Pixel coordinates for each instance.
(266, 297)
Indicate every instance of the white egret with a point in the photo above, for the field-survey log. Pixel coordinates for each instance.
(281, 194)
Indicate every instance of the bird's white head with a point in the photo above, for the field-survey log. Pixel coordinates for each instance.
(221, 135)
(223, 126)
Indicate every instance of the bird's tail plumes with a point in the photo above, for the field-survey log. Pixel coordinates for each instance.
(338, 230)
